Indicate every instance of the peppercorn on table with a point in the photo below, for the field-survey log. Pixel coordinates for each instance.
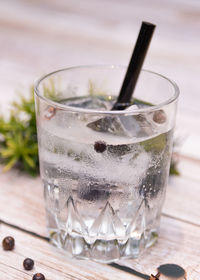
(41, 36)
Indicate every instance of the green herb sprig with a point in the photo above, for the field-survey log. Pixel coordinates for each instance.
(18, 142)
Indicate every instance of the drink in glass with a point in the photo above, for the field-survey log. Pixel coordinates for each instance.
(104, 172)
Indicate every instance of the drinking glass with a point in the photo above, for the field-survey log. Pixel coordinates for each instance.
(104, 172)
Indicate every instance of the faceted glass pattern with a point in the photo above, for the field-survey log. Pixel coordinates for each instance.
(104, 172)
(107, 238)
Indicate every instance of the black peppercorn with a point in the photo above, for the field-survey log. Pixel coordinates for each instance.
(38, 276)
(8, 243)
(100, 146)
(28, 264)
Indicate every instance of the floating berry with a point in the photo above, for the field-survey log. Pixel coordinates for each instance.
(50, 113)
(159, 117)
(28, 264)
(8, 243)
(100, 146)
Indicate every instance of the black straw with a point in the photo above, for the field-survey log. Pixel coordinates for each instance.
(135, 65)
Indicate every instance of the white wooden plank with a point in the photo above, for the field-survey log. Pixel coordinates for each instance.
(178, 243)
(49, 261)
(41, 36)
(22, 201)
(183, 199)
(189, 167)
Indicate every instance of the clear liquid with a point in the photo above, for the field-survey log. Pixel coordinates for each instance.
(102, 206)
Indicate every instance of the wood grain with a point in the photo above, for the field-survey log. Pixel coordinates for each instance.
(22, 201)
(39, 36)
(189, 167)
(49, 261)
(178, 240)
(178, 243)
(182, 201)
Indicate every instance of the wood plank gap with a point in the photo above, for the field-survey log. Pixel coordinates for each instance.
(115, 265)
(181, 220)
(25, 230)
(14, 268)
(60, 271)
(186, 157)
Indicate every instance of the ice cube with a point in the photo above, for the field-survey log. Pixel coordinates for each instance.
(139, 125)
(129, 126)
(93, 190)
(108, 124)
(132, 108)
(89, 103)
(136, 125)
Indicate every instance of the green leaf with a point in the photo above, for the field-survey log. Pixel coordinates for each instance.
(10, 164)
(156, 144)
(5, 153)
(18, 139)
(93, 90)
(139, 101)
(50, 92)
(29, 161)
(173, 168)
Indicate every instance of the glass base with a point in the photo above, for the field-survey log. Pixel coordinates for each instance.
(104, 251)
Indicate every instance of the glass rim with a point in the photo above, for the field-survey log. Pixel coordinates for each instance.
(105, 112)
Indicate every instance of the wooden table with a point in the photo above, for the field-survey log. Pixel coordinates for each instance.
(37, 37)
